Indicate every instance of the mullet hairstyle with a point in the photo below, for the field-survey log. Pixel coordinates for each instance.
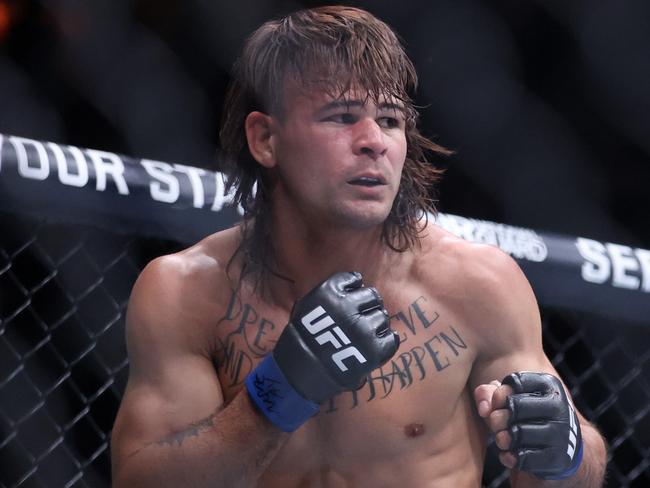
(333, 49)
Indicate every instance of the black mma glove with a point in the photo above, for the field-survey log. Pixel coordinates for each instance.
(337, 334)
(543, 425)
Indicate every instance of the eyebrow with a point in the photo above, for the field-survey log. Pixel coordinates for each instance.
(337, 104)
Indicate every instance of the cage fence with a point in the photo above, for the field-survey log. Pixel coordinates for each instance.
(63, 364)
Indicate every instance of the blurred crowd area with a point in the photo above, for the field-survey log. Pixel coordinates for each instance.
(546, 102)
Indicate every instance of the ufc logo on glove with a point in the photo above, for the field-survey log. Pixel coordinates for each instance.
(316, 321)
(291, 383)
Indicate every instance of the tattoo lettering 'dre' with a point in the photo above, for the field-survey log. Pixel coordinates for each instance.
(241, 321)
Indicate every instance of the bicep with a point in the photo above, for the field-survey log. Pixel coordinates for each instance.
(511, 330)
(172, 383)
(153, 409)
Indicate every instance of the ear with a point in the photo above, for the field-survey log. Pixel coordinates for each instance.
(259, 134)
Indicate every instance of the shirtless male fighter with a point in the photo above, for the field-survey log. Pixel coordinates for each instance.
(336, 338)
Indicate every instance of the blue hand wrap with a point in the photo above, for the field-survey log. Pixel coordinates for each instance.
(571, 470)
(275, 397)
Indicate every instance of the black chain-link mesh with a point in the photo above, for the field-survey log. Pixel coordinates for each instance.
(607, 367)
(63, 294)
(63, 366)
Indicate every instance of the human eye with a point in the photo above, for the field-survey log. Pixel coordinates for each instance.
(388, 122)
(342, 118)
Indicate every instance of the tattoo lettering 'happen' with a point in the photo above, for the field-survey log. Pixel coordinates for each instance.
(412, 365)
(434, 355)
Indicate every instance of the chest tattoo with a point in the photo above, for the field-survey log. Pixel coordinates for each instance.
(428, 346)
(243, 336)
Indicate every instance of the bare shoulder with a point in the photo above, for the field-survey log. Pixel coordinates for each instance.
(476, 268)
(188, 287)
(200, 268)
(484, 284)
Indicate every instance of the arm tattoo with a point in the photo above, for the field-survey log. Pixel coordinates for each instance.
(193, 430)
(176, 438)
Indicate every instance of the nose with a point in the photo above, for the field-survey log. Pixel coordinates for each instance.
(369, 139)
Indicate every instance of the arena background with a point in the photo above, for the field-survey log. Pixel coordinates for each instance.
(545, 102)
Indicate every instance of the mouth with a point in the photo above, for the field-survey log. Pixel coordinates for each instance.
(367, 181)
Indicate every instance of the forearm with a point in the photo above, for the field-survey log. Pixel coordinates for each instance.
(590, 474)
(231, 448)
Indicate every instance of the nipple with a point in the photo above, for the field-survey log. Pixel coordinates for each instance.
(414, 430)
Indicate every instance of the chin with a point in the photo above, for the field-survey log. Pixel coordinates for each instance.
(362, 218)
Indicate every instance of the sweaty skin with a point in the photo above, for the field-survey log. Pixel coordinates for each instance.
(465, 313)
(414, 423)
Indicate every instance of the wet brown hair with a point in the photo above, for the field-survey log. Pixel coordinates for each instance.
(332, 48)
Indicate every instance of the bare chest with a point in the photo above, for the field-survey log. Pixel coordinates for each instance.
(406, 404)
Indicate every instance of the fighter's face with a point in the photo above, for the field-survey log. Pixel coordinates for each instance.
(339, 159)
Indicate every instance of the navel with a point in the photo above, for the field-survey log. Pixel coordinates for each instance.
(414, 430)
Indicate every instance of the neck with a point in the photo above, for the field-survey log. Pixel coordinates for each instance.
(308, 255)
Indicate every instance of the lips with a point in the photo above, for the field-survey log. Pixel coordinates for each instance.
(367, 181)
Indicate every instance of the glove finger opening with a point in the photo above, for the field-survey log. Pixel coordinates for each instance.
(530, 406)
(527, 382)
(347, 281)
(367, 299)
(545, 461)
(537, 435)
